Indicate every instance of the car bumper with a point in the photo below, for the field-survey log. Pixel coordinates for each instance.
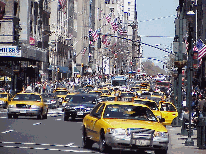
(24, 112)
(124, 141)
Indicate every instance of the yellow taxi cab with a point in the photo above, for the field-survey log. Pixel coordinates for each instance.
(159, 94)
(145, 86)
(108, 98)
(105, 91)
(88, 87)
(122, 124)
(61, 94)
(168, 111)
(97, 92)
(4, 99)
(123, 94)
(27, 104)
(136, 90)
(151, 104)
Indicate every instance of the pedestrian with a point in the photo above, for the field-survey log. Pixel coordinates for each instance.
(201, 107)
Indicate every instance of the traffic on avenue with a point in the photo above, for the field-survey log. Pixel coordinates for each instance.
(120, 114)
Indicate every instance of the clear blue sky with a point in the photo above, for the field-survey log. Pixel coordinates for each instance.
(153, 9)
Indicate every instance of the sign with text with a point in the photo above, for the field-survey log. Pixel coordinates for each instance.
(9, 51)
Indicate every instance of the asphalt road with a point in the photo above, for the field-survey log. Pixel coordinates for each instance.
(27, 135)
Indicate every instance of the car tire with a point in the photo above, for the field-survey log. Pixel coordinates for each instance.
(86, 142)
(73, 117)
(103, 147)
(15, 116)
(162, 151)
(9, 116)
(66, 118)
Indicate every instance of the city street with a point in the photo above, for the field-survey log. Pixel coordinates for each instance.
(26, 135)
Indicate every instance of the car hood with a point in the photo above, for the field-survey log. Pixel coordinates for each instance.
(26, 102)
(82, 105)
(126, 123)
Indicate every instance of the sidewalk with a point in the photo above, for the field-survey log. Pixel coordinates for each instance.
(177, 142)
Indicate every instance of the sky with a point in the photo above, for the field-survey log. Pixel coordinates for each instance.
(153, 9)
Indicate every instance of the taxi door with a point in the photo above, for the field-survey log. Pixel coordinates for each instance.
(91, 121)
(168, 111)
(96, 123)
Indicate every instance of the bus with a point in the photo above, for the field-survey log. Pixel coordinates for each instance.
(119, 82)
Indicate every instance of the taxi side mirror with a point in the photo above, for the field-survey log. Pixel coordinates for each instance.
(162, 120)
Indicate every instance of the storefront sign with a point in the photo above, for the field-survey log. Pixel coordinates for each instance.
(10, 51)
(31, 41)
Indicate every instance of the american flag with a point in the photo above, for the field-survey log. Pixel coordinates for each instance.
(121, 32)
(201, 49)
(62, 3)
(108, 17)
(114, 26)
(95, 35)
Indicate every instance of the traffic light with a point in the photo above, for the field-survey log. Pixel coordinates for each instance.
(114, 66)
(58, 69)
(99, 43)
(82, 64)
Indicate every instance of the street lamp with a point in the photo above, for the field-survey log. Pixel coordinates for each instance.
(189, 141)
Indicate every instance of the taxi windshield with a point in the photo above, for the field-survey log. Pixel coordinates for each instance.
(129, 112)
(127, 94)
(151, 105)
(3, 95)
(27, 97)
(61, 92)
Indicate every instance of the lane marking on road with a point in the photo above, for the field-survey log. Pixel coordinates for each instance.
(8, 131)
(3, 117)
(42, 148)
(58, 119)
(38, 123)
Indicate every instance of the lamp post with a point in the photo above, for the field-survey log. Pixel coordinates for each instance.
(189, 141)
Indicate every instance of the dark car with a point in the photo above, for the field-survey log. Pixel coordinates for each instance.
(51, 100)
(79, 105)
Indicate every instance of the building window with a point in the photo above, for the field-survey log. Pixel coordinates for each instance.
(107, 1)
(111, 9)
(129, 3)
(128, 9)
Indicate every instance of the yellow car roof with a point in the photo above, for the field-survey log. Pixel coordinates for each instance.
(124, 103)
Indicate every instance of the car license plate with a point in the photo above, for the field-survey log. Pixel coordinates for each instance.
(142, 142)
(23, 111)
(80, 113)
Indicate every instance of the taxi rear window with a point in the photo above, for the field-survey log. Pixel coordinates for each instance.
(27, 97)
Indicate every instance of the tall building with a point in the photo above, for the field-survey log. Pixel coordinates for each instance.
(24, 41)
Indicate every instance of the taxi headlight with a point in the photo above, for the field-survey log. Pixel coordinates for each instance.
(159, 117)
(11, 106)
(116, 131)
(35, 106)
(161, 134)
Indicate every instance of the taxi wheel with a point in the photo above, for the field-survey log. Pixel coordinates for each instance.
(86, 142)
(103, 147)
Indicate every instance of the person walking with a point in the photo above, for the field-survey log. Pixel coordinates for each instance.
(201, 107)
